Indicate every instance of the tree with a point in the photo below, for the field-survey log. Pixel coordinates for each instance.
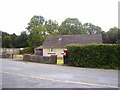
(51, 27)
(6, 42)
(22, 40)
(37, 36)
(71, 26)
(14, 40)
(92, 29)
(112, 35)
(37, 31)
(35, 21)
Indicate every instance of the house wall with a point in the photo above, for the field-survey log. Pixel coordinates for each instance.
(58, 52)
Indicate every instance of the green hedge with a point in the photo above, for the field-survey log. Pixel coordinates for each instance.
(93, 56)
(27, 50)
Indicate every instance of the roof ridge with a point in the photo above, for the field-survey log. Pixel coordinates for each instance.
(56, 40)
(76, 35)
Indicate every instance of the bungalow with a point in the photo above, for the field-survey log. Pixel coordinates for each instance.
(55, 45)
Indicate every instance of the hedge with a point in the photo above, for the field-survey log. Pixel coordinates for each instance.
(27, 50)
(93, 56)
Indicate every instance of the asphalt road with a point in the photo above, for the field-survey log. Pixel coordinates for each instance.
(19, 74)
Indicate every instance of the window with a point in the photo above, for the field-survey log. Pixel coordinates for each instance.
(51, 51)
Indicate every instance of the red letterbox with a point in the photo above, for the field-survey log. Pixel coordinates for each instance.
(65, 52)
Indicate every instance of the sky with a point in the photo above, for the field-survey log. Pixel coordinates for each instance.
(16, 14)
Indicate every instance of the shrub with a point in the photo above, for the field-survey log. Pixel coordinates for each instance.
(93, 55)
(27, 50)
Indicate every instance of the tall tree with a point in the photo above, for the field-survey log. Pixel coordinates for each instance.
(37, 31)
(6, 42)
(35, 21)
(112, 35)
(37, 36)
(51, 27)
(92, 29)
(71, 26)
(14, 40)
(22, 40)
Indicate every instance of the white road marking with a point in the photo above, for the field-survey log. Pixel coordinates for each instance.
(65, 81)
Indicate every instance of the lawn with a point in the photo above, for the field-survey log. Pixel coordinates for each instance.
(60, 61)
(17, 56)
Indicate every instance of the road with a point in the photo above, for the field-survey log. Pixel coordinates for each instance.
(20, 74)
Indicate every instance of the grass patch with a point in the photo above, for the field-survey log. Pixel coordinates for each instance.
(17, 56)
(60, 61)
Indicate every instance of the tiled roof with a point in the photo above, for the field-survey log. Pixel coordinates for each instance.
(63, 40)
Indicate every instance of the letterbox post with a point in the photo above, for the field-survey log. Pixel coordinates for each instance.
(65, 55)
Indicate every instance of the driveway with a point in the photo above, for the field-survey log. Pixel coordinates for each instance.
(18, 74)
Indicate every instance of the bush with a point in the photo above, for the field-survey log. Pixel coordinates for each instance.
(27, 50)
(93, 56)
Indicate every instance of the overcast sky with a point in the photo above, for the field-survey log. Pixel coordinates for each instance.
(15, 14)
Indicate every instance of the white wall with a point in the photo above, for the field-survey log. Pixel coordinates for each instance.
(58, 52)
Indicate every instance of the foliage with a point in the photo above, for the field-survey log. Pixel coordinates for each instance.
(19, 41)
(27, 50)
(23, 40)
(71, 26)
(37, 36)
(51, 27)
(118, 41)
(112, 36)
(6, 41)
(35, 21)
(93, 56)
(92, 29)
(14, 41)
(38, 29)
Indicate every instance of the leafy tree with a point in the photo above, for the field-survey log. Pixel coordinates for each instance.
(37, 31)
(92, 29)
(22, 40)
(6, 42)
(14, 40)
(19, 41)
(51, 27)
(35, 21)
(71, 26)
(4, 34)
(112, 35)
(37, 36)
